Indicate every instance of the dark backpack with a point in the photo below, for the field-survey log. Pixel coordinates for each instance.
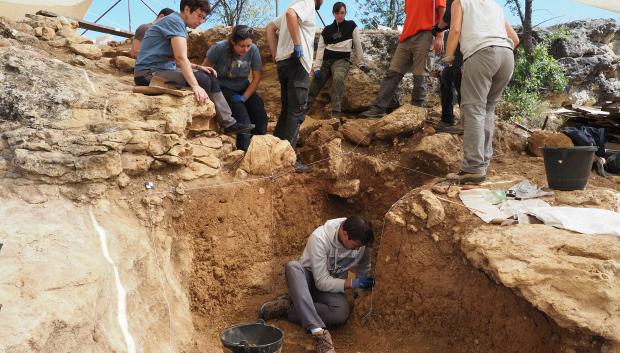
(613, 163)
(587, 136)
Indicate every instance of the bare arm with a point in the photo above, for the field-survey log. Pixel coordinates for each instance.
(292, 23)
(272, 40)
(253, 85)
(179, 48)
(456, 24)
(135, 48)
(439, 46)
(512, 34)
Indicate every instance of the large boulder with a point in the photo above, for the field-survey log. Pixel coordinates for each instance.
(441, 153)
(89, 51)
(403, 120)
(571, 277)
(267, 154)
(539, 139)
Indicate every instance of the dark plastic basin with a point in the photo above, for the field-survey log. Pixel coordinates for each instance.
(252, 338)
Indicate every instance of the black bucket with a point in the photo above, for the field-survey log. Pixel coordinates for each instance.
(252, 338)
(568, 168)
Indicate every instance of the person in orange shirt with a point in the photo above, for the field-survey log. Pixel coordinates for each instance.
(412, 53)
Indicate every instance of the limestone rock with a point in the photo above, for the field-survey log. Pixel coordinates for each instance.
(124, 63)
(4, 43)
(196, 170)
(403, 120)
(308, 129)
(434, 208)
(540, 139)
(136, 164)
(356, 134)
(267, 154)
(571, 277)
(337, 165)
(441, 153)
(210, 161)
(89, 51)
(233, 157)
(67, 33)
(345, 188)
(321, 136)
(47, 33)
(123, 180)
(54, 271)
(26, 28)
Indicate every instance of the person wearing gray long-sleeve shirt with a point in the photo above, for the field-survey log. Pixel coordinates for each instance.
(318, 280)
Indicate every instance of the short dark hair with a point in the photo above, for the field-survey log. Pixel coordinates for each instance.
(165, 11)
(195, 5)
(338, 6)
(358, 228)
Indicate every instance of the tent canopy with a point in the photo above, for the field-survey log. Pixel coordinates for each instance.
(17, 9)
(611, 5)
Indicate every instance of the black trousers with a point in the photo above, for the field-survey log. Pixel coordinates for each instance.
(450, 81)
(250, 111)
(294, 86)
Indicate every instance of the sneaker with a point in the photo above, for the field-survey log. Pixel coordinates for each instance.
(323, 342)
(466, 178)
(275, 309)
(451, 128)
(374, 112)
(239, 128)
(302, 168)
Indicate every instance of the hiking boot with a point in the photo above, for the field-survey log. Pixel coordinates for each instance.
(374, 112)
(466, 178)
(323, 342)
(239, 128)
(302, 168)
(275, 309)
(451, 128)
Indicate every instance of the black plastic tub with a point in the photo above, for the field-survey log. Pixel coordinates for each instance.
(568, 168)
(255, 337)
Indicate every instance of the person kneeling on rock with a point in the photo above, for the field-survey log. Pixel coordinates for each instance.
(318, 281)
(165, 45)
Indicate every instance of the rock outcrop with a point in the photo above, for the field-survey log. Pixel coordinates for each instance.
(266, 155)
(571, 277)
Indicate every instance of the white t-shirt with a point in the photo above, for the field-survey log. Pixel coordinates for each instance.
(305, 12)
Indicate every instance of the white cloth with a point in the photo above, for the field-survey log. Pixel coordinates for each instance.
(305, 13)
(344, 46)
(581, 220)
(480, 201)
(329, 261)
(483, 26)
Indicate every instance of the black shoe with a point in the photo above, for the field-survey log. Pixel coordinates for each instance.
(374, 112)
(466, 178)
(451, 128)
(302, 168)
(237, 127)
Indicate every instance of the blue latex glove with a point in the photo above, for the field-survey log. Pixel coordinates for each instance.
(317, 73)
(237, 98)
(365, 68)
(363, 282)
(298, 50)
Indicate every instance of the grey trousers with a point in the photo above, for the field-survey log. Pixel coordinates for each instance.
(210, 85)
(312, 308)
(485, 75)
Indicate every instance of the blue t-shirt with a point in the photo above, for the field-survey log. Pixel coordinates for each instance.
(156, 50)
(233, 74)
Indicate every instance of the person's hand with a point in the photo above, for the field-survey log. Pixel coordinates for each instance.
(364, 68)
(201, 94)
(298, 50)
(449, 59)
(238, 98)
(317, 73)
(439, 46)
(364, 282)
(208, 70)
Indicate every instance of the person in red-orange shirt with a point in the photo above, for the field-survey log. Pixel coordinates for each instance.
(412, 53)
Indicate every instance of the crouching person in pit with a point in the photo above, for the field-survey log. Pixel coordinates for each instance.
(165, 45)
(318, 281)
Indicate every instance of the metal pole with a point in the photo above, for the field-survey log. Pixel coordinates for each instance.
(323, 22)
(129, 13)
(277, 12)
(147, 5)
(108, 10)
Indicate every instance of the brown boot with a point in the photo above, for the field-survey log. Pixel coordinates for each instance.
(323, 342)
(275, 309)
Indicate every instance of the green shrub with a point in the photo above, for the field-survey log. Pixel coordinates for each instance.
(533, 79)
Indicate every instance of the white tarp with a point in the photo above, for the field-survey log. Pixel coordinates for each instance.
(17, 9)
(611, 5)
(478, 200)
(581, 220)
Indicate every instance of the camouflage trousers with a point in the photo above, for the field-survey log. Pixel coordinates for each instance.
(337, 70)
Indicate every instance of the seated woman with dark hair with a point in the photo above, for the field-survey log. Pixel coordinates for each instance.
(233, 59)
